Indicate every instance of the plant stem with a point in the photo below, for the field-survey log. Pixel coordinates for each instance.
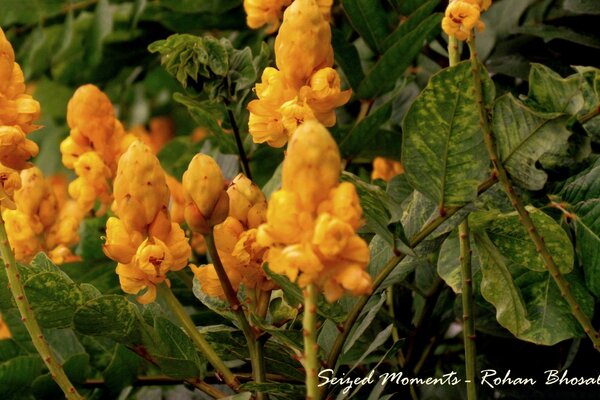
(466, 273)
(256, 356)
(518, 205)
(39, 342)
(387, 269)
(197, 337)
(592, 114)
(311, 359)
(238, 141)
(467, 303)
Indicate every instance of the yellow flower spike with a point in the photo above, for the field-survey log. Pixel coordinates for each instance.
(36, 198)
(287, 223)
(91, 117)
(344, 203)
(179, 247)
(246, 200)
(15, 148)
(154, 258)
(324, 95)
(273, 89)
(265, 124)
(121, 244)
(207, 202)
(209, 280)
(460, 18)
(331, 235)
(23, 240)
(71, 151)
(227, 234)
(10, 182)
(7, 60)
(140, 188)
(303, 44)
(312, 165)
(293, 114)
(265, 12)
(295, 259)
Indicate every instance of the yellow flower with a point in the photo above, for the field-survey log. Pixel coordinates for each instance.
(343, 202)
(209, 280)
(293, 114)
(331, 235)
(265, 12)
(460, 18)
(120, 244)
(303, 45)
(386, 169)
(250, 255)
(140, 188)
(265, 124)
(207, 203)
(292, 260)
(179, 246)
(7, 60)
(287, 221)
(312, 165)
(10, 181)
(154, 258)
(324, 95)
(177, 204)
(247, 203)
(62, 254)
(4, 330)
(133, 280)
(22, 238)
(15, 148)
(36, 199)
(274, 90)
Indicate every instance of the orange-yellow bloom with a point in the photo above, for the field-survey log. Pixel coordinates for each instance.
(15, 148)
(386, 169)
(460, 19)
(265, 12)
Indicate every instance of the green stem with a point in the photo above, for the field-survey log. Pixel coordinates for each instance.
(518, 205)
(240, 145)
(254, 350)
(592, 114)
(311, 359)
(197, 337)
(467, 303)
(16, 288)
(453, 51)
(387, 269)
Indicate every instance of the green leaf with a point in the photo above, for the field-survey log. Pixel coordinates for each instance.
(585, 7)
(448, 265)
(102, 27)
(178, 357)
(411, 23)
(551, 32)
(498, 288)
(197, 6)
(512, 239)
(122, 369)
(524, 136)
(442, 150)
(360, 329)
(369, 19)
(28, 11)
(111, 316)
(17, 374)
(215, 304)
(397, 58)
(362, 134)
(549, 92)
(90, 244)
(347, 58)
(582, 192)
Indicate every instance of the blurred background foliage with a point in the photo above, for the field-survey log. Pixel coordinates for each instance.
(386, 51)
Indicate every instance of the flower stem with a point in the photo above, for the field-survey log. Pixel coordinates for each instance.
(198, 339)
(254, 350)
(518, 205)
(240, 145)
(311, 359)
(467, 303)
(16, 288)
(387, 269)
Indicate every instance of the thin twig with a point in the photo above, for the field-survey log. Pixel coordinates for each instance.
(240, 145)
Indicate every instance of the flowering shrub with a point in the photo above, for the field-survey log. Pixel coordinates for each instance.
(288, 199)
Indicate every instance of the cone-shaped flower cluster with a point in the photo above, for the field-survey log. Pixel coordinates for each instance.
(17, 113)
(462, 16)
(268, 13)
(40, 222)
(312, 221)
(303, 86)
(386, 169)
(143, 239)
(93, 148)
(235, 240)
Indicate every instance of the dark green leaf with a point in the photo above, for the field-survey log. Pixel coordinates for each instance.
(347, 58)
(369, 18)
(442, 151)
(549, 92)
(411, 23)
(110, 316)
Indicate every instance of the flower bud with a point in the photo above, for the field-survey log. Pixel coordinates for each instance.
(120, 244)
(331, 235)
(7, 60)
(140, 188)
(244, 195)
(133, 280)
(303, 44)
(312, 165)
(207, 202)
(10, 182)
(15, 148)
(287, 221)
(227, 234)
(324, 95)
(343, 202)
(264, 12)
(22, 238)
(35, 198)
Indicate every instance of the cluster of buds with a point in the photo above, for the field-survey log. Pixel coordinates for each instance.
(268, 13)
(143, 239)
(312, 221)
(386, 169)
(462, 16)
(93, 147)
(18, 110)
(234, 215)
(43, 219)
(303, 86)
